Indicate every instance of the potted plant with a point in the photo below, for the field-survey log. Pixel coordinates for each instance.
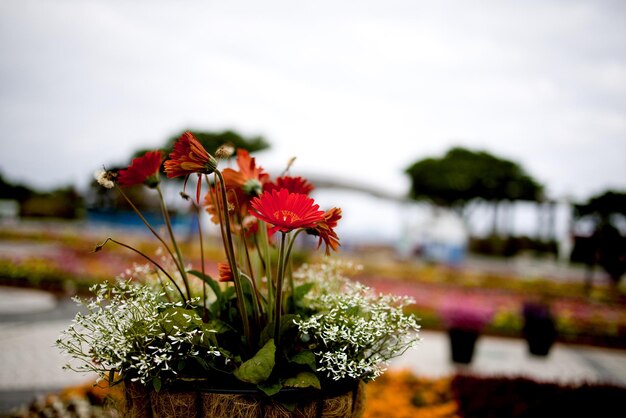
(464, 320)
(258, 337)
(539, 328)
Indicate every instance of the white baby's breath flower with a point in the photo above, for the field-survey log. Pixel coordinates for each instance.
(358, 332)
(126, 329)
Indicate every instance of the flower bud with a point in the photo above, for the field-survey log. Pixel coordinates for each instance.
(105, 178)
(225, 151)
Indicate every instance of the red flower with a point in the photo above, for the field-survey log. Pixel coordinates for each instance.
(249, 178)
(286, 211)
(142, 170)
(188, 157)
(293, 184)
(325, 230)
(225, 273)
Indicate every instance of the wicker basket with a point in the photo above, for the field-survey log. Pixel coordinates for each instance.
(202, 402)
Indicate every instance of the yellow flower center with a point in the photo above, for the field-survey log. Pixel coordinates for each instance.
(286, 215)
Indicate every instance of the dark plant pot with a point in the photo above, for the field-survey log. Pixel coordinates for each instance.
(196, 400)
(539, 329)
(462, 344)
(540, 335)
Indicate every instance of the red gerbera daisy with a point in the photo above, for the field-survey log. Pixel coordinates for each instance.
(325, 230)
(142, 170)
(286, 211)
(249, 178)
(225, 273)
(188, 157)
(293, 184)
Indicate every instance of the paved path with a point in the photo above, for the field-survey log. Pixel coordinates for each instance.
(30, 364)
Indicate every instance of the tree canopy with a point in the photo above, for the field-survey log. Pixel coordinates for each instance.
(213, 140)
(463, 175)
(18, 192)
(603, 205)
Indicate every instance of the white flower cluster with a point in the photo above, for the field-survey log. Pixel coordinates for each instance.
(130, 329)
(326, 277)
(357, 332)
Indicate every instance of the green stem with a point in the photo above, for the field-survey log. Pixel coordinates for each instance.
(288, 260)
(268, 268)
(157, 265)
(145, 221)
(179, 258)
(230, 253)
(252, 278)
(279, 288)
(204, 285)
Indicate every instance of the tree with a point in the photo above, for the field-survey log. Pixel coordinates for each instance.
(607, 245)
(99, 198)
(213, 140)
(12, 191)
(462, 176)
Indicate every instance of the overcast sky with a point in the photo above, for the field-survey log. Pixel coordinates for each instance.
(354, 89)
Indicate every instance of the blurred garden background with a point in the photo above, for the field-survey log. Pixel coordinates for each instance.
(476, 150)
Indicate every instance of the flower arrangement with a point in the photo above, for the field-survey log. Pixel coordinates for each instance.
(261, 323)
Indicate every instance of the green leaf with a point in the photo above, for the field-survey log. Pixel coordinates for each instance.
(300, 291)
(286, 323)
(182, 318)
(156, 384)
(219, 327)
(303, 380)
(259, 368)
(206, 338)
(306, 358)
(215, 287)
(270, 388)
(202, 363)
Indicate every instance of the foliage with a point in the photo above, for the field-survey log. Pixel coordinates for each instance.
(18, 192)
(495, 245)
(603, 205)
(211, 141)
(463, 175)
(64, 203)
(44, 274)
(607, 245)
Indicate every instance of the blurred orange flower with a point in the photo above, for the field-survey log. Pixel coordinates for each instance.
(249, 178)
(225, 273)
(325, 230)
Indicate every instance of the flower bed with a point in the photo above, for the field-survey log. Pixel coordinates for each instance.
(578, 319)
